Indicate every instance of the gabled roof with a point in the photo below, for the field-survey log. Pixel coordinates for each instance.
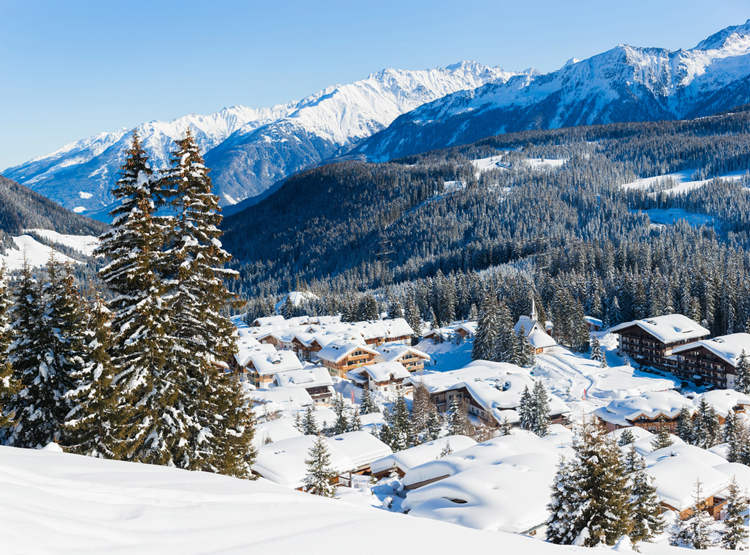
(246, 350)
(339, 349)
(267, 364)
(669, 328)
(393, 351)
(382, 371)
(268, 320)
(727, 347)
(652, 404)
(317, 376)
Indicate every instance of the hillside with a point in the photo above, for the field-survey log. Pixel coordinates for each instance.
(626, 83)
(250, 149)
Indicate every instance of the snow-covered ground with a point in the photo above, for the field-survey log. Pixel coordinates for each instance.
(446, 356)
(56, 503)
(668, 216)
(35, 253)
(84, 244)
(683, 181)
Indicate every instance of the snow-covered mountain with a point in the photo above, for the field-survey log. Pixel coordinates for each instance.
(623, 84)
(248, 149)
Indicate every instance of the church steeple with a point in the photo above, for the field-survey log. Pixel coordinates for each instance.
(534, 315)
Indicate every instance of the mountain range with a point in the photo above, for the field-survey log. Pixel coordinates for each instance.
(250, 149)
(624, 84)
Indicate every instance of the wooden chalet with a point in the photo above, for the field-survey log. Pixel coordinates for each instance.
(385, 377)
(341, 357)
(651, 342)
(713, 361)
(410, 358)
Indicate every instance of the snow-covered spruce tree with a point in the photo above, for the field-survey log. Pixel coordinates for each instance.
(413, 318)
(403, 431)
(47, 349)
(599, 512)
(742, 378)
(421, 408)
(485, 339)
(320, 474)
(447, 450)
(645, 511)
(367, 406)
(395, 310)
(626, 438)
(736, 436)
(527, 355)
(142, 345)
(506, 346)
(309, 424)
(735, 532)
(8, 382)
(458, 421)
(596, 350)
(342, 422)
(706, 427)
(355, 424)
(526, 409)
(505, 429)
(663, 437)
(540, 410)
(564, 508)
(433, 426)
(685, 424)
(94, 403)
(210, 402)
(695, 529)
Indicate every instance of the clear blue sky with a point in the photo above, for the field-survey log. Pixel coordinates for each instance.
(74, 68)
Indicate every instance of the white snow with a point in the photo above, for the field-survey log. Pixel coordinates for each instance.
(669, 328)
(415, 456)
(681, 181)
(35, 253)
(728, 347)
(82, 243)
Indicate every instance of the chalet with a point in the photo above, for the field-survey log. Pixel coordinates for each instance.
(594, 324)
(413, 457)
(307, 345)
(651, 342)
(536, 331)
(362, 448)
(466, 329)
(490, 391)
(379, 332)
(410, 358)
(385, 377)
(342, 356)
(316, 381)
(711, 361)
(438, 335)
(263, 366)
(268, 404)
(241, 359)
(723, 401)
(268, 320)
(644, 411)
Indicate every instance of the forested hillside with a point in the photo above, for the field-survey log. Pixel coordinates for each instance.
(554, 207)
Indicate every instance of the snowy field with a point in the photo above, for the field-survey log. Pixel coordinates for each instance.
(668, 216)
(683, 181)
(38, 254)
(84, 244)
(496, 162)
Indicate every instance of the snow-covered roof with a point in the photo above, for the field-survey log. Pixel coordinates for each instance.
(339, 349)
(267, 320)
(393, 351)
(528, 325)
(499, 450)
(723, 400)
(269, 363)
(415, 456)
(316, 376)
(278, 399)
(479, 370)
(276, 430)
(468, 327)
(283, 462)
(362, 448)
(246, 348)
(596, 322)
(509, 496)
(727, 347)
(669, 328)
(383, 371)
(540, 339)
(676, 468)
(651, 404)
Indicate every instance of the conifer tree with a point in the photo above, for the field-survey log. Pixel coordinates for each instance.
(141, 326)
(540, 410)
(505, 429)
(695, 529)
(395, 310)
(413, 318)
(645, 510)
(320, 474)
(626, 438)
(526, 409)
(485, 339)
(203, 335)
(355, 424)
(564, 508)
(342, 422)
(735, 532)
(596, 350)
(432, 428)
(663, 437)
(742, 377)
(8, 383)
(309, 424)
(736, 436)
(421, 407)
(685, 424)
(403, 433)
(367, 406)
(458, 421)
(706, 428)
(506, 346)
(447, 450)
(94, 403)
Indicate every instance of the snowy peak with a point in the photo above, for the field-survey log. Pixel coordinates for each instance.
(726, 38)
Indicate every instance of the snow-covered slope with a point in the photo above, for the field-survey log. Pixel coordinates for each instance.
(51, 502)
(623, 84)
(250, 149)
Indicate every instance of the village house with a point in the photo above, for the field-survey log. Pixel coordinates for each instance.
(536, 332)
(490, 391)
(261, 366)
(651, 342)
(644, 411)
(410, 358)
(713, 361)
(316, 381)
(341, 356)
(466, 329)
(384, 377)
(307, 345)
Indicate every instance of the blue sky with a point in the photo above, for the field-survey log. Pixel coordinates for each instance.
(72, 69)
